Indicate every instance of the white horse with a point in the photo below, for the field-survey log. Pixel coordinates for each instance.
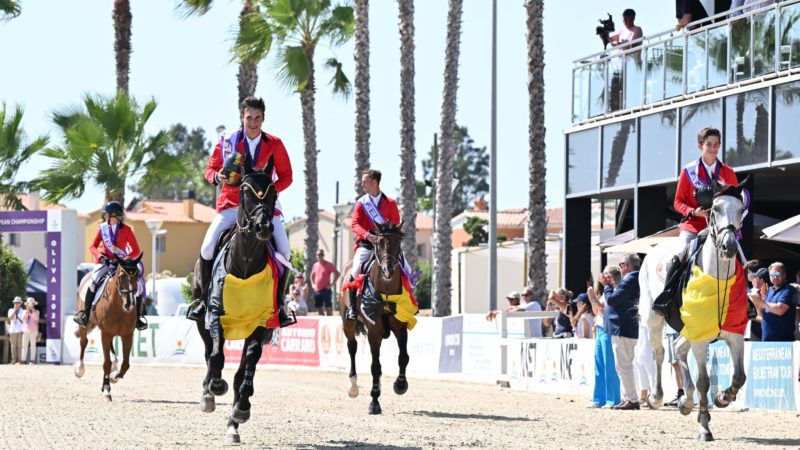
(717, 259)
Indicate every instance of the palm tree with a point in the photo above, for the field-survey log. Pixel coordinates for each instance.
(9, 9)
(362, 91)
(408, 182)
(537, 212)
(122, 43)
(444, 189)
(247, 77)
(296, 27)
(14, 152)
(105, 144)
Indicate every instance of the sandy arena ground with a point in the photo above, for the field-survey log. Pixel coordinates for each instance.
(156, 407)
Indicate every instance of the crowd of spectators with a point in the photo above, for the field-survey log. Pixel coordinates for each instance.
(22, 325)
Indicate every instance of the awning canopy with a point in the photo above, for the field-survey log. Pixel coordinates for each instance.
(617, 240)
(643, 245)
(786, 231)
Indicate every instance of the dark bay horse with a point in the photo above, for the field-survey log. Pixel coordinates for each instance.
(385, 277)
(115, 314)
(246, 254)
(715, 295)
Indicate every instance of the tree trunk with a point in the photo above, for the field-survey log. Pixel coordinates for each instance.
(312, 195)
(537, 212)
(247, 77)
(362, 91)
(408, 182)
(122, 43)
(444, 192)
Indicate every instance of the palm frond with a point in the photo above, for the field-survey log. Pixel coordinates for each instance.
(253, 38)
(285, 13)
(339, 26)
(341, 85)
(188, 8)
(9, 9)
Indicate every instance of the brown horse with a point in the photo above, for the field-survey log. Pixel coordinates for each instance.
(115, 315)
(385, 275)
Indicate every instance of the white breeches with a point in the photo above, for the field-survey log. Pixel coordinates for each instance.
(362, 255)
(226, 219)
(99, 271)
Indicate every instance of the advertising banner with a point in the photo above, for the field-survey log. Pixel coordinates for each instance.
(450, 356)
(297, 346)
(480, 346)
(552, 365)
(770, 376)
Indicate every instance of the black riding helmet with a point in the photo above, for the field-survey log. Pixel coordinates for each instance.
(704, 196)
(114, 208)
(233, 168)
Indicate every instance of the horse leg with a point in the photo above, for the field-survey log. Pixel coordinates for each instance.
(736, 346)
(114, 364)
(401, 334)
(232, 432)
(655, 325)
(216, 362)
(127, 343)
(84, 339)
(352, 347)
(207, 401)
(254, 346)
(106, 366)
(686, 402)
(700, 352)
(375, 337)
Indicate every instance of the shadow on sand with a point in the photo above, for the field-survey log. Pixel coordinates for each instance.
(445, 415)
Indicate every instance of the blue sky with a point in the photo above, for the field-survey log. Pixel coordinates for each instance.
(57, 51)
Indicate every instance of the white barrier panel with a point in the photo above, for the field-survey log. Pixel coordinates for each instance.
(168, 340)
(564, 366)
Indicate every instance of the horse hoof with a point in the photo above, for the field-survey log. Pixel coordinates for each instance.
(653, 402)
(685, 406)
(353, 391)
(239, 416)
(705, 437)
(113, 377)
(107, 396)
(207, 403)
(79, 371)
(720, 401)
(375, 408)
(232, 437)
(400, 386)
(218, 387)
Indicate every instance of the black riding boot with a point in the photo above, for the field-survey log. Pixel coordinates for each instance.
(351, 313)
(83, 320)
(198, 309)
(141, 322)
(284, 319)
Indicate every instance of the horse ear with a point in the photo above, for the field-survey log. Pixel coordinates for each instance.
(136, 261)
(400, 226)
(270, 167)
(717, 186)
(744, 182)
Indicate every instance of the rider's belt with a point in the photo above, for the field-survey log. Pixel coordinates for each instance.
(365, 244)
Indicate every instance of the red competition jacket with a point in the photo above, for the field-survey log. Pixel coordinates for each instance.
(684, 195)
(270, 146)
(362, 223)
(124, 239)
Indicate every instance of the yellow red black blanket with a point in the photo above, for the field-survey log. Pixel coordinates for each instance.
(405, 305)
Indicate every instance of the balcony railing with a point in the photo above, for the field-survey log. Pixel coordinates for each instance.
(719, 53)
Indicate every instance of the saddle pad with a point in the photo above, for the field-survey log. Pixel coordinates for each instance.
(97, 293)
(248, 303)
(404, 306)
(703, 299)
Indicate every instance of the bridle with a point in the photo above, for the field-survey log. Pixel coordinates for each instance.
(715, 234)
(393, 261)
(129, 291)
(261, 205)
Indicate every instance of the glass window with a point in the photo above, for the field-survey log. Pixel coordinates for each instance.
(614, 89)
(696, 63)
(747, 128)
(582, 159)
(740, 50)
(161, 244)
(764, 43)
(597, 89)
(717, 57)
(693, 119)
(654, 78)
(790, 36)
(580, 94)
(634, 77)
(619, 153)
(13, 239)
(787, 133)
(674, 67)
(657, 146)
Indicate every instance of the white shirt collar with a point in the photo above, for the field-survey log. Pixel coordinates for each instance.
(252, 144)
(710, 168)
(375, 198)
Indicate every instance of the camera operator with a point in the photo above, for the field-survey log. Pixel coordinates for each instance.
(629, 31)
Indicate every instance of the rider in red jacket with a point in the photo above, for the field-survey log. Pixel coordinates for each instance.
(694, 177)
(113, 240)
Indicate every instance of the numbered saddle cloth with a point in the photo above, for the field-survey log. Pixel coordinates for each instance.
(710, 305)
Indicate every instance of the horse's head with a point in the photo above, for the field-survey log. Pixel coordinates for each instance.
(257, 198)
(127, 276)
(387, 249)
(725, 219)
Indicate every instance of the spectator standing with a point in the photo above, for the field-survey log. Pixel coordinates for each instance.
(629, 31)
(16, 320)
(621, 323)
(760, 278)
(297, 303)
(30, 331)
(671, 354)
(559, 301)
(687, 11)
(323, 276)
(300, 286)
(644, 363)
(606, 381)
(583, 319)
(530, 304)
(777, 305)
(514, 302)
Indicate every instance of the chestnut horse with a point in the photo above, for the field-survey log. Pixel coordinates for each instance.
(115, 314)
(385, 275)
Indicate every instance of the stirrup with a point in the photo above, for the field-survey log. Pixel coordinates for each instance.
(79, 319)
(196, 310)
(141, 323)
(284, 319)
(351, 313)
